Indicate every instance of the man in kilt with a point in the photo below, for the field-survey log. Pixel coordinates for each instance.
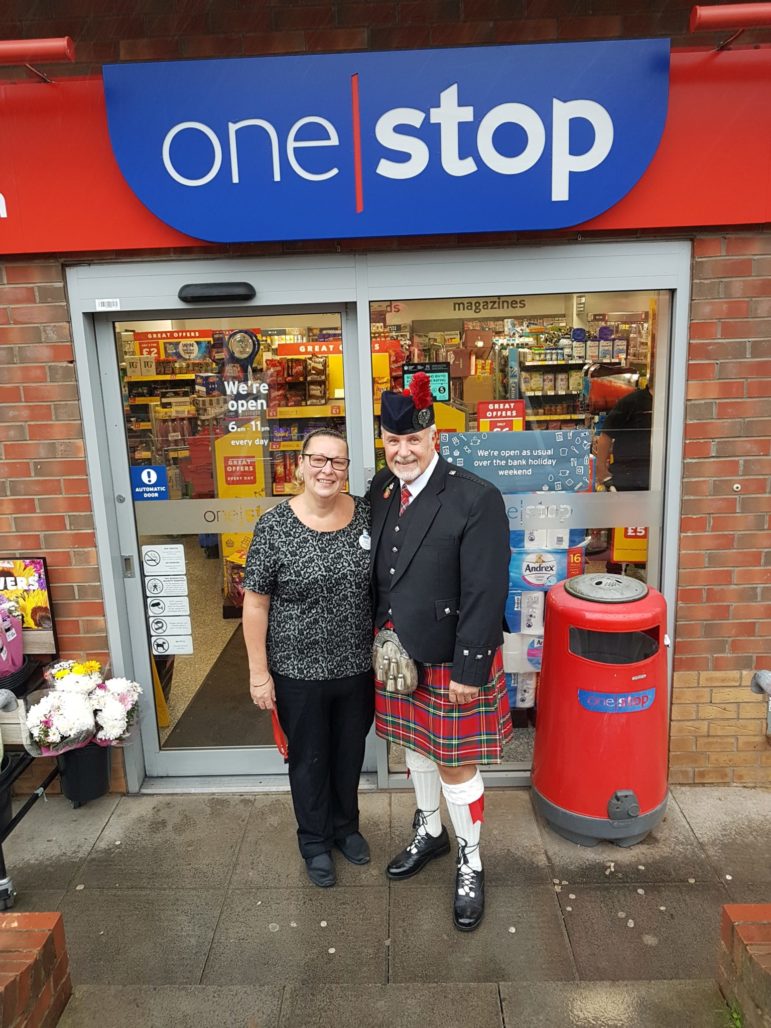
(440, 556)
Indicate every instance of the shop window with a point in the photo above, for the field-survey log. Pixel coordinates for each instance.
(546, 368)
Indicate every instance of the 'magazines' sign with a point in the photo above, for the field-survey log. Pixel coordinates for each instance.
(401, 143)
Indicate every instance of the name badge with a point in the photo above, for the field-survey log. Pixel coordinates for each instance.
(365, 541)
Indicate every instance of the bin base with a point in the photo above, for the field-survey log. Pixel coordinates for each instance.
(589, 831)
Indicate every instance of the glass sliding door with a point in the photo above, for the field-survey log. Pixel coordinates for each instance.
(212, 417)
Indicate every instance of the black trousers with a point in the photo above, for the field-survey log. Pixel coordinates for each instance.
(326, 723)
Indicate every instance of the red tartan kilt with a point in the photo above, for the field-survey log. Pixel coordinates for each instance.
(448, 733)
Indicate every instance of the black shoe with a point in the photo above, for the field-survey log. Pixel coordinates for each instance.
(321, 870)
(469, 906)
(354, 848)
(424, 847)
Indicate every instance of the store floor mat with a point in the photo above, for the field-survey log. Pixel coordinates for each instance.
(222, 713)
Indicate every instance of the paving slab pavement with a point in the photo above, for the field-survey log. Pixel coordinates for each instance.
(680, 941)
(732, 826)
(686, 1004)
(425, 946)
(280, 936)
(140, 936)
(168, 1006)
(199, 905)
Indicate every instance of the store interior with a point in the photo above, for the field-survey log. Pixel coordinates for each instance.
(218, 408)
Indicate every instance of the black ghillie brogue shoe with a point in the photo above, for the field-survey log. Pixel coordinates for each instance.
(469, 905)
(321, 870)
(420, 851)
(354, 848)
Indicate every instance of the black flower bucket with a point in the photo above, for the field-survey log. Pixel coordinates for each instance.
(85, 773)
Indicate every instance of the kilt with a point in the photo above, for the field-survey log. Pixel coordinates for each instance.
(448, 733)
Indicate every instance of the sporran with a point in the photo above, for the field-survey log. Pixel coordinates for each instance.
(393, 666)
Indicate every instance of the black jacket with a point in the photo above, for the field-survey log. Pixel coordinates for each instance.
(449, 590)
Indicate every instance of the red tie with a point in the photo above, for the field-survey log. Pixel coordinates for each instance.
(404, 500)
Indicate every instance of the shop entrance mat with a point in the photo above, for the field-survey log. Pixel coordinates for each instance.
(222, 713)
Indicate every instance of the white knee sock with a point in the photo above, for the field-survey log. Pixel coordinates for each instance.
(427, 785)
(465, 803)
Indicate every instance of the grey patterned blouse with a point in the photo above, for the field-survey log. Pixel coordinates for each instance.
(320, 619)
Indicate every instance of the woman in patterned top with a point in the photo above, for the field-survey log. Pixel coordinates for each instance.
(308, 631)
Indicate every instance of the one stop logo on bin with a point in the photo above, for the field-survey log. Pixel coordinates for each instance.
(616, 703)
(397, 143)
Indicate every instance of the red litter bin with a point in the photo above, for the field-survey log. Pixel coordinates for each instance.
(600, 760)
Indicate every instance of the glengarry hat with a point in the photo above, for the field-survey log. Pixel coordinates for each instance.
(409, 411)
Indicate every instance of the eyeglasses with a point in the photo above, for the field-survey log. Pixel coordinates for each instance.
(319, 461)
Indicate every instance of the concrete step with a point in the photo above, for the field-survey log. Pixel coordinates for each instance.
(656, 1004)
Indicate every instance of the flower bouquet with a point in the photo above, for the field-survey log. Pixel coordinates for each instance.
(80, 706)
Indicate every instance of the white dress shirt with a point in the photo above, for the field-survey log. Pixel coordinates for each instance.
(421, 481)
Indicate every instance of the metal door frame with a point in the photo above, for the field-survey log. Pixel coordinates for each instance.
(114, 516)
(147, 290)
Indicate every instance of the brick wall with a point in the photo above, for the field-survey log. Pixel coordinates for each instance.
(724, 597)
(34, 970)
(45, 505)
(105, 30)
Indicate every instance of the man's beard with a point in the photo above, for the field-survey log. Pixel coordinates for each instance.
(407, 472)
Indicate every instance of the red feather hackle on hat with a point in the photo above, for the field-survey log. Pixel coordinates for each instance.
(420, 390)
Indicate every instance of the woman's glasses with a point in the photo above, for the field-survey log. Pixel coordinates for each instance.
(318, 461)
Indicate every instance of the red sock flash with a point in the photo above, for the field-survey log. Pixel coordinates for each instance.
(477, 808)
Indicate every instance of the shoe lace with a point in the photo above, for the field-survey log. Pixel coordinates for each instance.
(467, 876)
(420, 826)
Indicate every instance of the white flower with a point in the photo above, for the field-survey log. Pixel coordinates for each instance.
(60, 716)
(123, 689)
(77, 683)
(111, 718)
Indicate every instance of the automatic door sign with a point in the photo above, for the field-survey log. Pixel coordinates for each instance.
(169, 645)
(171, 606)
(150, 483)
(163, 560)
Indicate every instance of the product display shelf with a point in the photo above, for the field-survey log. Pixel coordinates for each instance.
(159, 378)
(553, 364)
(336, 409)
(560, 392)
(556, 417)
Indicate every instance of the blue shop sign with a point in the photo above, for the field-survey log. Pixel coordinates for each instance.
(150, 483)
(382, 144)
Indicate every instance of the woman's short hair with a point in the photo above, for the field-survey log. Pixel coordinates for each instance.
(330, 433)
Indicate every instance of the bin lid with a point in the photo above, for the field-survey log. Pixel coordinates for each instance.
(606, 588)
